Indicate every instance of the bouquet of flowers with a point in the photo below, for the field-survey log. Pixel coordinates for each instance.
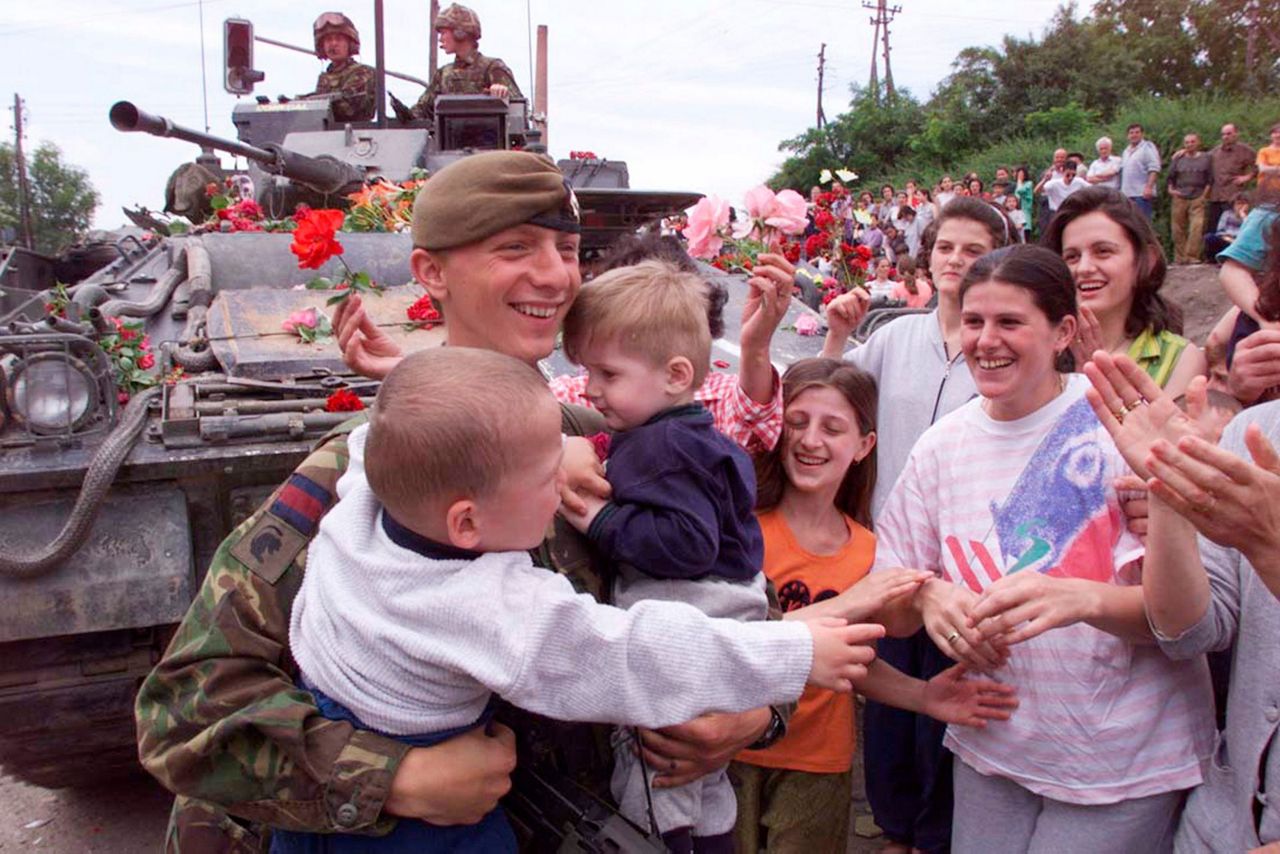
(771, 218)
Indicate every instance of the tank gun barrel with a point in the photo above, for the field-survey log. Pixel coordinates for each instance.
(325, 174)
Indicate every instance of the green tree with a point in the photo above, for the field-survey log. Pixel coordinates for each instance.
(62, 199)
(870, 137)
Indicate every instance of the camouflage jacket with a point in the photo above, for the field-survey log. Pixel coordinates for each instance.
(221, 721)
(472, 76)
(359, 88)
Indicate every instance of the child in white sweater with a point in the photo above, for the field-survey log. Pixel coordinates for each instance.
(421, 602)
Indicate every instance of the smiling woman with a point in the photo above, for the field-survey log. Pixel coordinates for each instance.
(1010, 501)
(1119, 267)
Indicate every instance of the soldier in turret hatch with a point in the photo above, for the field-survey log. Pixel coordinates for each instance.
(338, 41)
(470, 73)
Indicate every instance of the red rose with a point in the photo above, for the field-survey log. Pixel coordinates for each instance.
(846, 249)
(313, 240)
(147, 361)
(343, 400)
(815, 243)
(864, 253)
(423, 311)
(792, 252)
(825, 200)
(824, 219)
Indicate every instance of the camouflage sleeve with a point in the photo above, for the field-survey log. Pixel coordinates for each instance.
(425, 107)
(499, 73)
(220, 718)
(359, 99)
(784, 710)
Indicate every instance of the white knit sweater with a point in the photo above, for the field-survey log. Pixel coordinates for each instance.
(416, 645)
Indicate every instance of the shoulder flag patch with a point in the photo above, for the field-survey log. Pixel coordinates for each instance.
(273, 542)
(301, 503)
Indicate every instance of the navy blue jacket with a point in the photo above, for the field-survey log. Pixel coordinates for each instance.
(683, 501)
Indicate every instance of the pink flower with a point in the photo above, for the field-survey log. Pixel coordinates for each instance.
(806, 324)
(707, 220)
(308, 317)
(785, 211)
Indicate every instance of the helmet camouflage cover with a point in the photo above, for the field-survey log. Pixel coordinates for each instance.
(456, 17)
(335, 22)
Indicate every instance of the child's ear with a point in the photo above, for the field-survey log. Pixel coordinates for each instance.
(679, 375)
(864, 449)
(462, 524)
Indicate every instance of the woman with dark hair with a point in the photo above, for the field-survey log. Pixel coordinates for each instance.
(814, 505)
(1119, 267)
(1010, 502)
(917, 362)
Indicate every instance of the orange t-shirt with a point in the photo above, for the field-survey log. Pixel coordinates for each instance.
(820, 735)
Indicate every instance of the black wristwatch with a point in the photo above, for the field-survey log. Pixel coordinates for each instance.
(776, 729)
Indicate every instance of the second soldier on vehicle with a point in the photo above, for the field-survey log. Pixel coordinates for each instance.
(470, 73)
(338, 41)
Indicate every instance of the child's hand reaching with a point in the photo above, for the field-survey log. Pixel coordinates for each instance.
(841, 652)
(951, 698)
(582, 479)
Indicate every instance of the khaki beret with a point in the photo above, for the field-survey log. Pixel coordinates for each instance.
(482, 194)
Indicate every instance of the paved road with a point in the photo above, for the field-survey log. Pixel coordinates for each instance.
(121, 817)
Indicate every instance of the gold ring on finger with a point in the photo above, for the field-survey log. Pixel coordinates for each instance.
(951, 638)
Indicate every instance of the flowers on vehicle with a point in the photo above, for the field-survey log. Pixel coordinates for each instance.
(315, 242)
(309, 324)
(423, 313)
(385, 206)
(343, 400)
(128, 348)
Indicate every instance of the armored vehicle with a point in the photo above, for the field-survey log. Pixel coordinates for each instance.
(151, 407)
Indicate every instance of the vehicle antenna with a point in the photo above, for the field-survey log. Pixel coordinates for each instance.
(528, 14)
(204, 77)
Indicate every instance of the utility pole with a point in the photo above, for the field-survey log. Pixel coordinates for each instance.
(884, 16)
(822, 61)
(875, 38)
(24, 189)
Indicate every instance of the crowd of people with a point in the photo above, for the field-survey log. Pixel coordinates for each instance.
(1008, 521)
(1210, 192)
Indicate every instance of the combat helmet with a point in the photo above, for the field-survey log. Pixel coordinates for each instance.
(335, 22)
(456, 17)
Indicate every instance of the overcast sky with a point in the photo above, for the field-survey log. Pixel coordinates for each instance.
(693, 95)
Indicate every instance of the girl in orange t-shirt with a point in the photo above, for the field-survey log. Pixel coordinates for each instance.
(813, 502)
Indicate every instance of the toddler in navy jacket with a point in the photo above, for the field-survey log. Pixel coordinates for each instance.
(680, 523)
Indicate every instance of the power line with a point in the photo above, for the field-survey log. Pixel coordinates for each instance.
(884, 16)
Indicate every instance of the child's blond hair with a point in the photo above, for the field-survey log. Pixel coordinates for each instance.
(652, 310)
(450, 423)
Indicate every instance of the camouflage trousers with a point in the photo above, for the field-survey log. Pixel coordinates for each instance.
(791, 811)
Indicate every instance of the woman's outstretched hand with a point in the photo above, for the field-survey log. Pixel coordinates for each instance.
(951, 698)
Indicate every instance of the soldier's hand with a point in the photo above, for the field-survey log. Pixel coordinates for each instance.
(683, 753)
(457, 781)
(499, 90)
(366, 349)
